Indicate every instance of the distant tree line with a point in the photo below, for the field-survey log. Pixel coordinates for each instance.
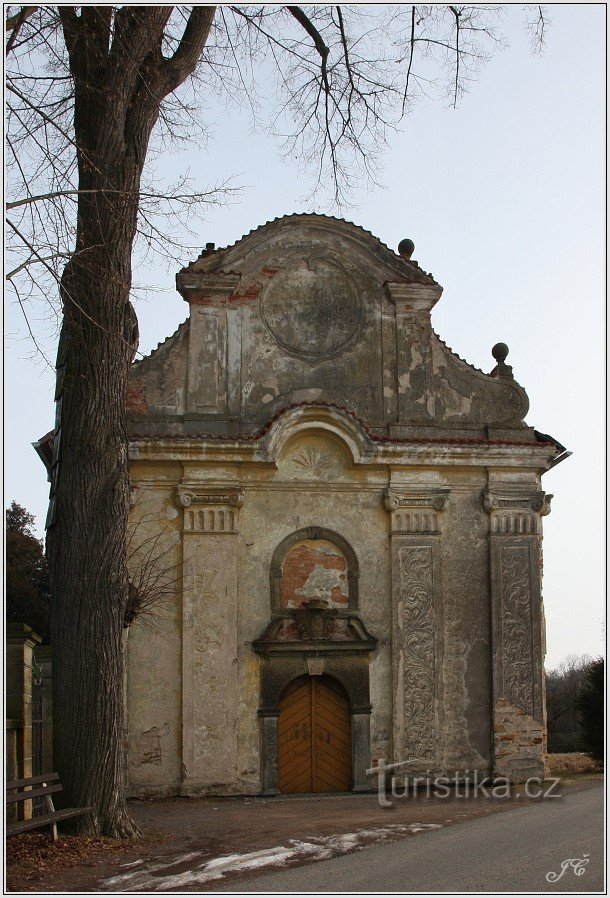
(27, 576)
(575, 706)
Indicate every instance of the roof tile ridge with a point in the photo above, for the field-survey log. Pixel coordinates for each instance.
(301, 215)
(159, 345)
(459, 357)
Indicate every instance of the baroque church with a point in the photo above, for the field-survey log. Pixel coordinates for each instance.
(353, 515)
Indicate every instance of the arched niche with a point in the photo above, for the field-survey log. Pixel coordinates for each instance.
(338, 580)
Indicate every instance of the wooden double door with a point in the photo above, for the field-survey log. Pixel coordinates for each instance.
(314, 731)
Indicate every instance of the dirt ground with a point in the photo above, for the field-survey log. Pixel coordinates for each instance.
(179, 833)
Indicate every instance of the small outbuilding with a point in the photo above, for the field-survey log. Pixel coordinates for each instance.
(352, 518)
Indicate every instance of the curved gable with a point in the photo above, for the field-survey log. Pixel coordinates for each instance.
(313, 309)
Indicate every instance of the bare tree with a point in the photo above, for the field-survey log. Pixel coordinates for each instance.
(563, 686)
(154, 574)
(86, 88)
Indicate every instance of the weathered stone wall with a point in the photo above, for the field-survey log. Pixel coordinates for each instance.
(311, 309)
(422, 541)
(308, 389)
(154, 642)
(226, 606)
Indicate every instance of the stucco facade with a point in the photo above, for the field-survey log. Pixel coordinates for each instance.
(342, 496)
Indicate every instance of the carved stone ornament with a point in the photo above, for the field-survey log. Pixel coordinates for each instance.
(411, 298)
(313, 310)
(515, 511)
(314, 631)
(517, 663)
(416, 511)
(213, 496)
(214, 510)
(315, 620)
(417, 649)
(315, 667)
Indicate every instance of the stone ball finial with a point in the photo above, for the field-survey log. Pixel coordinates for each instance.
(500, 352)
(406, 248)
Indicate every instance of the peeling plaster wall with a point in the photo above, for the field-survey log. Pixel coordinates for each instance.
(225, 687)
(308, 309)
(234, 449)
(201, 662)
(154, 647)
(467, 626)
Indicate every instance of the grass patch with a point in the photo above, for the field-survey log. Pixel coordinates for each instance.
(572, 762)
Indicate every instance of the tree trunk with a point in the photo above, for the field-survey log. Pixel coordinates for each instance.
(120, 78)
(87, 543)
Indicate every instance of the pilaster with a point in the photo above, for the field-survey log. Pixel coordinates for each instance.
(416, 518)
(20, 643)
(207, 384)
(519, 724)
(414, 373)
(209, 635)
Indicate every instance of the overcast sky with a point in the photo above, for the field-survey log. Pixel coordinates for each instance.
(505, 200)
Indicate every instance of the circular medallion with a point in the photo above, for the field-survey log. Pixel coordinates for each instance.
(313, 311)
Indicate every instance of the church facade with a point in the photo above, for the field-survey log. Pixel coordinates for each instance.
(354, 518)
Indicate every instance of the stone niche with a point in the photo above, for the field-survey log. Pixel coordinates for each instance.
(314, 569)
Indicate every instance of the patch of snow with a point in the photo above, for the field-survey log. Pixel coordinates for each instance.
(151, 878)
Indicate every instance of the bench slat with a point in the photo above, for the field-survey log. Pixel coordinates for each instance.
(33, 793)
(33, 780)
(45, 820)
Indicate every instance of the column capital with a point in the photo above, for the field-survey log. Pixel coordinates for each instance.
(410, 298)
(204, 288)
(210, 509)
(416, 510)
(214, 495)
(515, 510)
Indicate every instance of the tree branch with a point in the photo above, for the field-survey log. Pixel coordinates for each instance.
(14, 23)
(182, 64)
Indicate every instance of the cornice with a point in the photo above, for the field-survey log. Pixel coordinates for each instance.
(410, 298)
(517, 498)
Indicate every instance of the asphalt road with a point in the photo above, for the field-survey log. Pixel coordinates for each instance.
(507, 852)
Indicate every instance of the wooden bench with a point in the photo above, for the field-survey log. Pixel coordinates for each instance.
(42, 786)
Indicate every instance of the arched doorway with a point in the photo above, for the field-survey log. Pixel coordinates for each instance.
(314, 736)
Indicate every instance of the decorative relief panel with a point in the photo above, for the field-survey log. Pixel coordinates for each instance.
(313, 310)
(517, 629)
(416, 590)
(214, 511)
(416, 511)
